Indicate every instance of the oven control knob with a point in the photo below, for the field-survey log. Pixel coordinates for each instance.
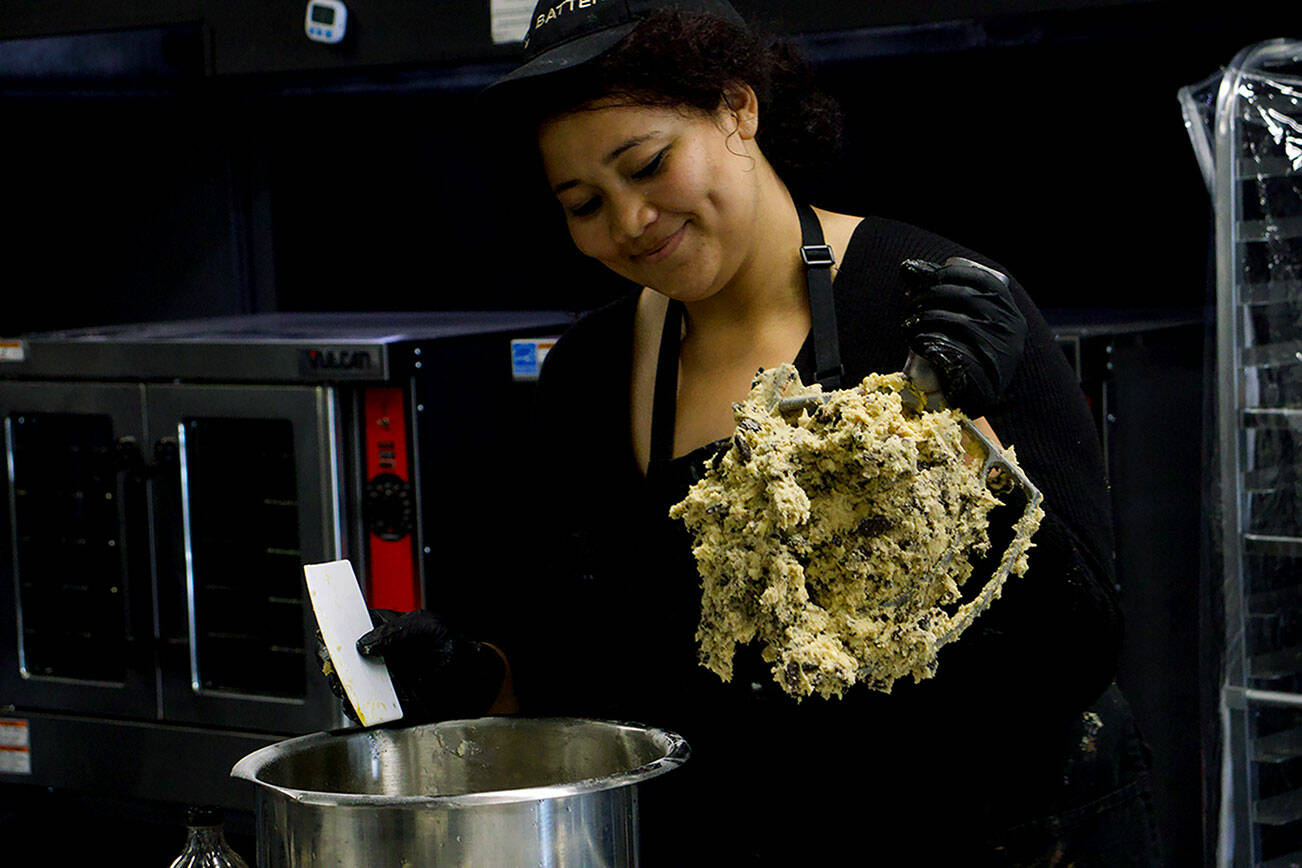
(388, 508)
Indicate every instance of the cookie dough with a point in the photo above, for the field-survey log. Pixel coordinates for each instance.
(839, 537)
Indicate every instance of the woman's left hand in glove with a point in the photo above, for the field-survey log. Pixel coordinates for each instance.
(437, 673)
(966, 324)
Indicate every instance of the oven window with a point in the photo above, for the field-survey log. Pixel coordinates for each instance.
(68, 546)
(243, 541)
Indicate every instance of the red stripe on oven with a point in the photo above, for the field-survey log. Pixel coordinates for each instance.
(392, 578)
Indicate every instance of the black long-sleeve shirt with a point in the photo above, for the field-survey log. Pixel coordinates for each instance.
(612, 617)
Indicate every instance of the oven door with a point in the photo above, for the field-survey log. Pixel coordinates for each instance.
(76, 604)
(248, 494)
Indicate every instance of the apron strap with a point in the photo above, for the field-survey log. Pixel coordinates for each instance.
(664, 403)
(818, 259)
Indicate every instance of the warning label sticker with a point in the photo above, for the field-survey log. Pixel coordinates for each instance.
(15, 747)
(12, 350)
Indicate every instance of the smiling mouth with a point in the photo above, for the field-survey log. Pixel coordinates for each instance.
(665, 247)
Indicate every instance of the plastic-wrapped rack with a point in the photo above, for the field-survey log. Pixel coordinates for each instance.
(1246, 127)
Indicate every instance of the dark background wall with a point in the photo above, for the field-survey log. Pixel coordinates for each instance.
(194, 167)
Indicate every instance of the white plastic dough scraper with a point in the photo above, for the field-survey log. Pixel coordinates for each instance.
(342, 616)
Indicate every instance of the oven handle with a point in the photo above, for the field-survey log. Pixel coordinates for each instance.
(170, 544)
(133, 473)
(165, 448)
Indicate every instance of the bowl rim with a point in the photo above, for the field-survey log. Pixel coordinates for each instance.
(676, 752)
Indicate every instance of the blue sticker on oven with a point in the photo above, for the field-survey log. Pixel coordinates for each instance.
(527, 356)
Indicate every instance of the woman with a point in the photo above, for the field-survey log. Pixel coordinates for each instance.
(677, 143)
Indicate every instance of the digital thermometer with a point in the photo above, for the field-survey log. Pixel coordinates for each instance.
(325, 21)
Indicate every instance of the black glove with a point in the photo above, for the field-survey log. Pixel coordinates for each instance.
(437, 674)
(965, 323)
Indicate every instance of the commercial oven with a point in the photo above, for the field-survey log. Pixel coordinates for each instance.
(165, 482)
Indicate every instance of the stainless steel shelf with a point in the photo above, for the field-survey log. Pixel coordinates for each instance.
(1274, 665)
(1273, 355)
(1271, 292)
(1277, 228)
(1289, 418)
(1280, 810)
(1278, 747)
(1271, 602)
(1266, 544)
(1265, 168)
(1292, 860)
(1269, 478)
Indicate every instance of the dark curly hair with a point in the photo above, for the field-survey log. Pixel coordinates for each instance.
(688, 60)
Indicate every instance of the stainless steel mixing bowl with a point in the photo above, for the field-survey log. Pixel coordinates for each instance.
(493, 792)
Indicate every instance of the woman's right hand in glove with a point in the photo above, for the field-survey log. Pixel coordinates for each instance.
(437, 673)
(965, 322)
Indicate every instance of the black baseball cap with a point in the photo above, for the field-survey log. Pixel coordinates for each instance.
(565, 33)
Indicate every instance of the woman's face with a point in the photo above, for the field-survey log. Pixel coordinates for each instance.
(665, 198)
